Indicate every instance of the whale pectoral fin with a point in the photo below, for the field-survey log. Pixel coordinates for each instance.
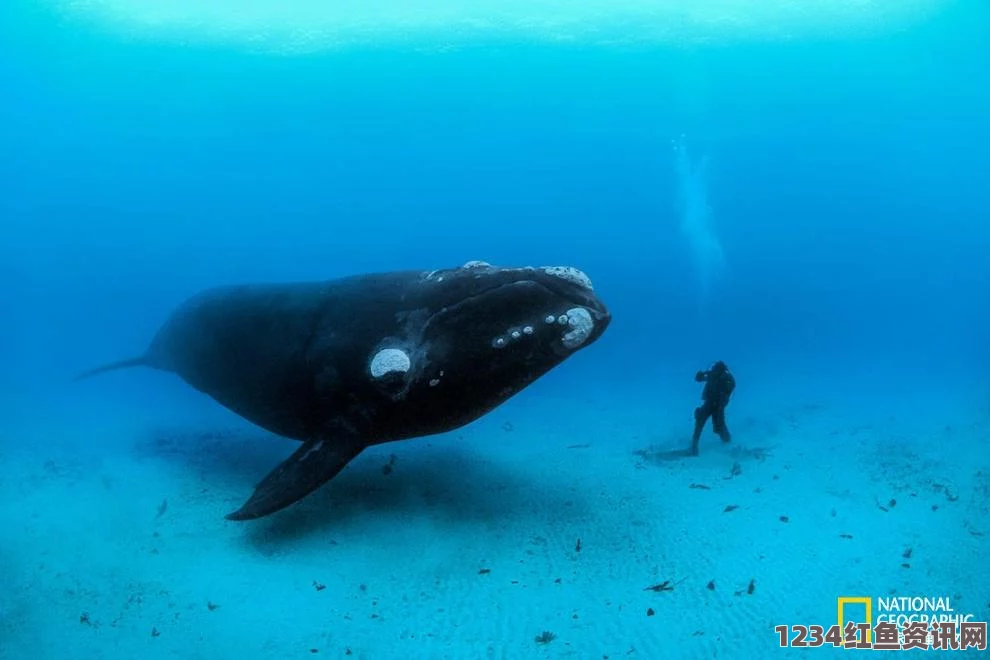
(309, 467)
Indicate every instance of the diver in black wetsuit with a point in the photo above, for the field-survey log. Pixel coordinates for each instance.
(719, 385)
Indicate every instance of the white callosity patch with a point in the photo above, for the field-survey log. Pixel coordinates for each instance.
(570, 274)
(389, 360)
(550, 319)
(471, 265)
(581, 324)
(516, 334)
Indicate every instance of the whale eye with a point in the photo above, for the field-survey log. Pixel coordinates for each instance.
(389, 360)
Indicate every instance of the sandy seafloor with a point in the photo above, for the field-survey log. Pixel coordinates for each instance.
(114, 544)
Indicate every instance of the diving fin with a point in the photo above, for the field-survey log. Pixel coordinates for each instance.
(309, 467)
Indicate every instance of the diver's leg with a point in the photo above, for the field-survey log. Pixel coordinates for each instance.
(718, 422)
(701, 415)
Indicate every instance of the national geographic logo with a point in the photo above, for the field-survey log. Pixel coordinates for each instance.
(923, 612)
(894, 624)
(901, 610)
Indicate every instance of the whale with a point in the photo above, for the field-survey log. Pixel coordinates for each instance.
(343, 364)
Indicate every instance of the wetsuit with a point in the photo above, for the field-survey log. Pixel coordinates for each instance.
(719, 385)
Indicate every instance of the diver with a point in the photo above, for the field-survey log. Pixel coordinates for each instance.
(719, 385)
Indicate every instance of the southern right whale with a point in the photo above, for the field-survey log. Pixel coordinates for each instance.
(346, 363)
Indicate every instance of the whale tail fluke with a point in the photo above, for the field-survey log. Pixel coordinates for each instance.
(141, 361)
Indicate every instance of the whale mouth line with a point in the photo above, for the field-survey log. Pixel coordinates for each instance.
(480, 294)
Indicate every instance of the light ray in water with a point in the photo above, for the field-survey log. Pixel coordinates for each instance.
(696, 222)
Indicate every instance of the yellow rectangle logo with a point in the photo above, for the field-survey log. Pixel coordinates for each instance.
(866, 602)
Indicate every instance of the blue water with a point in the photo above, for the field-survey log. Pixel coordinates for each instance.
(814, 212)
